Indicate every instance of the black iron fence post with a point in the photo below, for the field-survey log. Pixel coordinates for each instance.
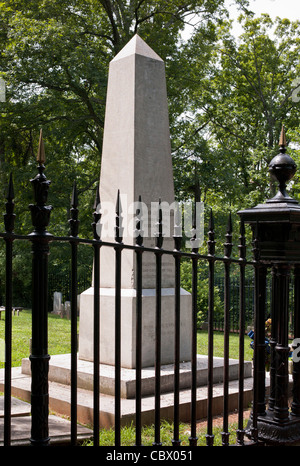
(158, 260)
(9, 219)
(276, 231)
(96, 274)
(296, 364)
(74, 227)
(39, 357)
(211, 244)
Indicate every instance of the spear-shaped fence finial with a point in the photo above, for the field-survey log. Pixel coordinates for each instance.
(97, 216)
(211, 244)
(41, 157)
(282, 140)
(74, 222)
(228, 244)
(118, 227)
(9, 216)
(139, 227)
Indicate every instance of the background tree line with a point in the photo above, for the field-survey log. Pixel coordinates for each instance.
(228, 98)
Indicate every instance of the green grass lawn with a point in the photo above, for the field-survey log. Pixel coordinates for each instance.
(60, 343)
(60, 338)
(166, 432)
(202, 345)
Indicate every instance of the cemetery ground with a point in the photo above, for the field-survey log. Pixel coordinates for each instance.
(59, 343)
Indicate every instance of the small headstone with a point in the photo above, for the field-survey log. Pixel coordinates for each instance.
(67, 312)
(57, 302)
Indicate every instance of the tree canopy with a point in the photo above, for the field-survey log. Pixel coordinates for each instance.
(228, 96)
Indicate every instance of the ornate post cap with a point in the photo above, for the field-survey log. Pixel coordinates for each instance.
(40, 212)
(276, 223)
(282, 169)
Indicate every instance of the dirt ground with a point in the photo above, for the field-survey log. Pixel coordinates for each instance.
(218, 420)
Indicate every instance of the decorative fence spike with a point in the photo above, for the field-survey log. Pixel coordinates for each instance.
(228, 244)
(194, 239)
(97, 216)
(139, 230)
(242, 245)
(40, 212)
(211, 235)
(74, 222)
(159, 228)
(118, 227)
(9, 216)
(177, 232)
(41, 157)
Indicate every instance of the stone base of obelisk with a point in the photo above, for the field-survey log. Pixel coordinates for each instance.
(128, 326)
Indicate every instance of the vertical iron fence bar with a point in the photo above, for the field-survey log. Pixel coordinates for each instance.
(227, 254)
(254, 413)
(242, 251)
(176, 441)
(139, 286)
(138, 399)
(225, 434)
(96, 402)
(211, 280)
(260, 335)
(281, 409)
(274, 313)
(195, 248)
(118, 262)
(9, 218)
(39, 357)
(193, 438)
(295, 408)
(158, 260)
(96, 281)
(118, 252)
(74, 225)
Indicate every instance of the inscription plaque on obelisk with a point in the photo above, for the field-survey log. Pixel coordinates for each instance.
(136, 160)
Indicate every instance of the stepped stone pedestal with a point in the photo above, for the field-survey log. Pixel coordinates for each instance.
(60, 377)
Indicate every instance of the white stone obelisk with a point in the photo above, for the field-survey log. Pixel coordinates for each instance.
(136, 160)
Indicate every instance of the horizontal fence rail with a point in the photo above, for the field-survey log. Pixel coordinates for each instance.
(42, 241)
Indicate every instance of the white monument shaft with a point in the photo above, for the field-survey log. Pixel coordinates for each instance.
(136, 160)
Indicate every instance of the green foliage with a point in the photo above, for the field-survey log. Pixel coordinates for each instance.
(227, 100)
(54, 57)
(202, 293)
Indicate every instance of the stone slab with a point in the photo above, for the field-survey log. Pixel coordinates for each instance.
(59, 431)
(59, 428)
(60, 395)
(59, 371)
(18, 407)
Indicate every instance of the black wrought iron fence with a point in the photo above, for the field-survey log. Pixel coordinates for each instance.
(41, 241)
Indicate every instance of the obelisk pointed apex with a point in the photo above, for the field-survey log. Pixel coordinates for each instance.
(137, 46)
(136, 136)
